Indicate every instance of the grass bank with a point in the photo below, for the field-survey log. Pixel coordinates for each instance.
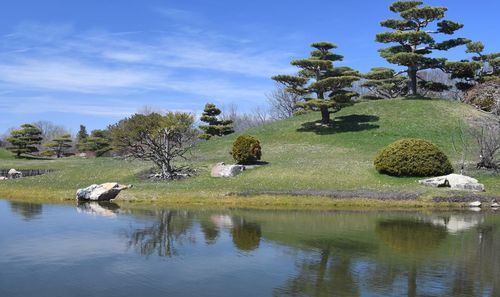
(301, 156)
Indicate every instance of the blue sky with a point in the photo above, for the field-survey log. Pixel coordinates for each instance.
(93, 62)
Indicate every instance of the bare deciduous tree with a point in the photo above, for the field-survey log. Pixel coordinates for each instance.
(161, 139)
(488, 140)
(283, 103)
(51, 130)
(242, 121)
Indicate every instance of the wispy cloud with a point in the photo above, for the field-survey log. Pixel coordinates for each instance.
(74, 76)
(56, 68)
(42, 104)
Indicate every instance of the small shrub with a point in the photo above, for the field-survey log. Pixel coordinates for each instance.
(246, 149)
(413, 157)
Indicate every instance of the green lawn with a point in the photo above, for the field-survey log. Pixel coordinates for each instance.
(300, 154)
(5, 154)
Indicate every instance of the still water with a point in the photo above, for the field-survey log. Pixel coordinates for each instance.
(108, 250)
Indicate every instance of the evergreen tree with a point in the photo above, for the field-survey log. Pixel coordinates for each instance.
(59, 145)
(25, 140)
(320, 79)
(415, 39)
(215, 126)
(98, 142)
(81, 137)
(482, 68)
(384, 83)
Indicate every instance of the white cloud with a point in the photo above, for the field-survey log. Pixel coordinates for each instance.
(114, 73)
(69, 75)
(42, 104)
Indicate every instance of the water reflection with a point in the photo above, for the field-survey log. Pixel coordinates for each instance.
(411, 237)
(28, 211)
(246, 235)
(168, 232)
(210, 231)
(290, 253)
(105, 209)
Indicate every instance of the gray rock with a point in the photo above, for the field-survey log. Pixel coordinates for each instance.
(102, 192)
(475, 204)
(454, 181)
(223, 170)
(14, 174)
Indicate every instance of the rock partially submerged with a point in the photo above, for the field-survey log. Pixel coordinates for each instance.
(14, 174)
(102, 192)
(223, 170)
(454, 181)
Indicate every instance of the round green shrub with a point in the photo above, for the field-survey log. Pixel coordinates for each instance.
(246, 149)
(412, 157)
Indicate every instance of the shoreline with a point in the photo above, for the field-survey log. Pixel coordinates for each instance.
(279, 200)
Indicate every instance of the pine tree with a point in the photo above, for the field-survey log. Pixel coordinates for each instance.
(384, 83)
(319, 78)
(25, 140)
(215, 126)
(81, 138)
(59, 145)
(415, 40)
(98, 142)
(482, 68)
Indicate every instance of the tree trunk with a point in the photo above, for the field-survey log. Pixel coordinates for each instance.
(325, 115)
(412, 75)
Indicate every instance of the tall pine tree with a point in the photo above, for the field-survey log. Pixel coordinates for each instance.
(413, 35)
(321, 80)
(81, 138)
(215, 126)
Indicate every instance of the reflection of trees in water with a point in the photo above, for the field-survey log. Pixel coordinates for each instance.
(480, 267)
(210, 231)
(411, 237)
(28, 211)
(170, 229)
(330, 273)
(246, 235)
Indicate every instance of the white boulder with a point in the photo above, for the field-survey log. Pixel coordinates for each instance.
(475, 204)
(223, 170)
(454, 181)
(14, 173)
(102, 192)
(3, 178)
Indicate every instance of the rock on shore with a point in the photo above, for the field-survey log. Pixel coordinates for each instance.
(102, 192)
(223, 170)
(454, 181)
(14, 174)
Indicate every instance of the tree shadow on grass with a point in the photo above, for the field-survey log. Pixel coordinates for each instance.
(350, 123)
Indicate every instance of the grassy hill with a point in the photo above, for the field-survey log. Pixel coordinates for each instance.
(301, 155)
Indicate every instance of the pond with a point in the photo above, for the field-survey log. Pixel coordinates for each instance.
(108, 250)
